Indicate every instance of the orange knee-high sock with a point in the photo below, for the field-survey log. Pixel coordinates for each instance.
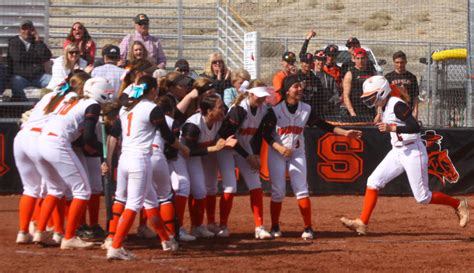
(199, 207)
(93, 208)
(211, 208)
(36, 213)
(124, 225)
(157, 223)
(305, 209)
(117, 210)
(27, 208)
(167, 214)
(143, 217)
(256, 203)
(225, 207)
(192, 210)
(443, 199)
(370, 200)
(58, 216)
(47, 208)
(275, 210)
(77, 209)
(180, 202)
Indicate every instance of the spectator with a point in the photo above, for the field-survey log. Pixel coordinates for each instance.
(217, 72)
(137, 52)
(70, 61)
(26, 58)
(312, 88)
(151, 43)
(404, 79)
(182, 66)
(351, 45)
(352, 85)
(331, 67)
(110, 70)
(80, 36)
(238, 77)
(329, 85)
(288, 67)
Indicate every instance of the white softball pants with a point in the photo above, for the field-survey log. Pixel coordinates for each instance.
(296, 165)
(134, 186)
(61, 168)
(413, 159)
(25, 150)
(203, 175)
(161, 177)
(179, 176)
(92, 166)
(227, 160)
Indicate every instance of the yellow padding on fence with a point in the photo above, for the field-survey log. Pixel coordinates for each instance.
(455, 53)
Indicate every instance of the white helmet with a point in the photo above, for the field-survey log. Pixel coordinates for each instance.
(98, 89)
(375, 89)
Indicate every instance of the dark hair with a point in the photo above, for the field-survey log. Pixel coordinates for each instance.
(166, 103)
(137, 65)
(150, 84)
(86, 37)
(208, 102)
(78, 79)
(399, 54)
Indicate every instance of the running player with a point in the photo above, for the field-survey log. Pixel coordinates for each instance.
(408, 154)
(283, 130)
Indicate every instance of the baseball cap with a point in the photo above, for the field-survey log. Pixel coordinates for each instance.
(141, 17)
(320, 55)
(111, 51)
(260, 91)
(26, 23)
(183, 80)
(182, 65)
(360, 51)
(331, 49)
(352, 41)
(288, 82)
(289, 57)
(306, 58)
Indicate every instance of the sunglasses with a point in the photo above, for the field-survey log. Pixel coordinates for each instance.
(27, 28)
(73, 52)
(143, 23)
(182, 70)
(218, 62)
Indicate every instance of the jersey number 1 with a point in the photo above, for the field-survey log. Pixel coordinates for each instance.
(129, 124)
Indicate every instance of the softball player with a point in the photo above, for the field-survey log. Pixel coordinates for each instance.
(25, 147)
(139, 122)
(59, 165)
(199, 133)
(243, 120)
(283, 130)
(408, 154)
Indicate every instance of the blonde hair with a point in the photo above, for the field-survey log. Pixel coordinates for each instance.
(208, 69)
(69, 48)
(243, 95)
(131, 56)
(240, 74)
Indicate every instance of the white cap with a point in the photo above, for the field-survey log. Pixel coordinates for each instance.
(260, 91)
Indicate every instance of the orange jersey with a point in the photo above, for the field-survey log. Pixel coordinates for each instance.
(278, 83)
(335, 72)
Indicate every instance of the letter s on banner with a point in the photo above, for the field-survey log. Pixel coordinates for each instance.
(338, 159)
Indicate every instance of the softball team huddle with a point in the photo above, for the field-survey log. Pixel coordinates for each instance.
(168, 158)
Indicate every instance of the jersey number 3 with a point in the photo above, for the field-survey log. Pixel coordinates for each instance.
(338, 161)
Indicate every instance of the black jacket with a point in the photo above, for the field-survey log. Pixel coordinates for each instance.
(28, 64)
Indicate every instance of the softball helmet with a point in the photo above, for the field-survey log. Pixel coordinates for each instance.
(375, 89)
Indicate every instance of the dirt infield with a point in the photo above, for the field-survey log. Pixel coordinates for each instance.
(403, 237)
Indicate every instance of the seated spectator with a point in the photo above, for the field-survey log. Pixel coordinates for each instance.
(351, 45)
(63, 65)
(352, 86)
(182, 66)
(151, 43)
(404, 79)
(137, 52)
(80, 36)
(313, 90)
(217, 72)
(328, 83)
(288, 67)
(26, 58)
(110, 70)
(237, 78)
(331, 67)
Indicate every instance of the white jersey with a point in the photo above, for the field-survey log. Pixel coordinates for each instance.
(290, 127)
(37, 117)
(207, 137)
(158, 144)
(389, 117)
(137, 130)
(69, 120)
(248, 128)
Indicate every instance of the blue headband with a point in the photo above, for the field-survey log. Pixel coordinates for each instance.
(63, 88)
(137, 91)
